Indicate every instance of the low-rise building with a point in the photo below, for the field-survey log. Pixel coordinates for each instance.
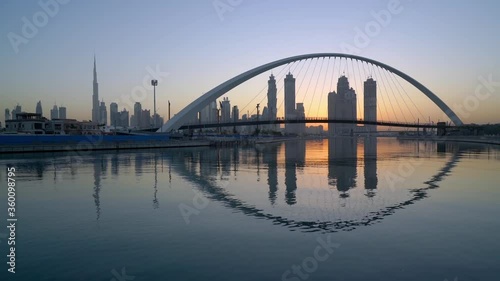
(28, 123)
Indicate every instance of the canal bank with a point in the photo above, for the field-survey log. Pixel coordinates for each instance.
(62, 143)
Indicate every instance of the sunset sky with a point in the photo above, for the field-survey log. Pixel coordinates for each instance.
(445, 45)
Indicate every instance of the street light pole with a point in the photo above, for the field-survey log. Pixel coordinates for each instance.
(257, 131)
(154, 83)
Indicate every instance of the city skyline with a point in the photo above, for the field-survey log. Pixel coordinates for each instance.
(66, 80)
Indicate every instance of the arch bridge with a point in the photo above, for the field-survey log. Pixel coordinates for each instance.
(183, 117)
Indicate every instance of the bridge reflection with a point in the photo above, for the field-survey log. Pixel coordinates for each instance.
(342, 166)
(279, 163)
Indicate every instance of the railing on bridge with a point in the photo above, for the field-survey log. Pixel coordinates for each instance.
(317, 120)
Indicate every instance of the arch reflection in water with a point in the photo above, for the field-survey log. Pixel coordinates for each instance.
(213, 191)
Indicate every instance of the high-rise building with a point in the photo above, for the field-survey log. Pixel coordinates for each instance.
(370, 103)
(265, 113)
(15, 111)
(214, 112)
(39, 108)
(301, 114)
(157, 119)
(133, 121)
(205, 114)
(236, 113)
(272, 91)
(96, 110)
(225, 110)
(62, 112)
(342, 106)
(123, 119)
(114, 117)
(137, 114)
(290, 102)
(103, 113)
(54, 112)
(7, 114)
(145, 119)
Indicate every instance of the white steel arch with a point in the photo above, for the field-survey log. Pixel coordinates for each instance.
(197, 105)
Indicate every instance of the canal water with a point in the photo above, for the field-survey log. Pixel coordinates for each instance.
(338, 209)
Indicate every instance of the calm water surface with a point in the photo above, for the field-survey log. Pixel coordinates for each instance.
(341, 209)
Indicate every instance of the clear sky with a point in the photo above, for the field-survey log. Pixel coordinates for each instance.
(446, 45)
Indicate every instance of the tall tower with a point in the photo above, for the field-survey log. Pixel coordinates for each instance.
(96, 113)
(289, 102)
(103, 113)
(342, 106)
(113, 115)
(271, 101)
(137, 114)
(370, 101)
(301, 114)
(342, 85)
(7, 114)
(39, 108)
(225, 110)
(62, 112)
(54, 113)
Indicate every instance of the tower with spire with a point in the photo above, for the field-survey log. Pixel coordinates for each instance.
(96, 114)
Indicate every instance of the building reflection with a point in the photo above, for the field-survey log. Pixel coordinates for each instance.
(370, 165)
(342, 158)
(270, 159)
(156, 203)
(114, 164)
(97, 185)
(295, 154)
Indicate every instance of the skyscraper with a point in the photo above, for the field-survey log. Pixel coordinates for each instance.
(301, 114)
(62, 112)
(113, 114)
(39, 108)
(145, 119)
(342, 106)
(15, 111)
(103, 114)
(96, 111)
(370, 103)
(213, 112)
(236, 113)
(225, 110)
(271, 101)
(7, 114)
(137, 114)
(54, 112)
(289, 102)
(124, 118)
